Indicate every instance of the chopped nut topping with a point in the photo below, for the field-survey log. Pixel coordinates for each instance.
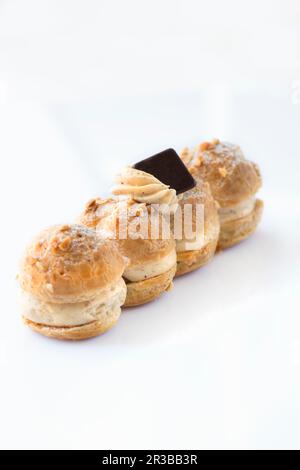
(95, 204)
(199, 161)
(39, 266)
(204, 146)
(186, 156)
(223, 172)
(92, 204)
(54, 245)
(64, 228)
(209, 145)
(65, 244)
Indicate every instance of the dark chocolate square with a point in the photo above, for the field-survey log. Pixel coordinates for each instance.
(169, 169)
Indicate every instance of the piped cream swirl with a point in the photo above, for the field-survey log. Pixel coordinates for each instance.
(144, 188)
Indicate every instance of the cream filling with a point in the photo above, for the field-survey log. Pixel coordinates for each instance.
(146, 271)
(106, 303)
(237, 211)
(145, 188)
(199, 242)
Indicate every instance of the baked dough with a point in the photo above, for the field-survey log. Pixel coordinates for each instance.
(142, 253)
(234, 182)
(237, 230)
(70, 265)
(189, 260)
(142, 292)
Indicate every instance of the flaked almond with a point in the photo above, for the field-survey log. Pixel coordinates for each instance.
(65, 244)
(91, 204)
(209, 145)
(223, 172)
(32, 261)
(101, 202)
(40, 266)
(186, 156)
(55, 248)
(64, 228)
(199, 161)
(204, 146)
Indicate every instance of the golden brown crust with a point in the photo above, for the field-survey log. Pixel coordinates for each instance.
(89, 330)
(201, 194)
(103, 215)
(69, 263)
(142, 292)
(235, 231)
(189, 261)
(96, 210)
(232, 178)
(145, 251)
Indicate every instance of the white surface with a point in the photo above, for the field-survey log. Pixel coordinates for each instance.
(215, 363)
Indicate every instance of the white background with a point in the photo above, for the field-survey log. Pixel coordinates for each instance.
(86, 87)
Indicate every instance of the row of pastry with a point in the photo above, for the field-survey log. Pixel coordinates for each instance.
(75, 278)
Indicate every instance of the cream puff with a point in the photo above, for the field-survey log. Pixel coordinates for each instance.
(150, 251)
(234, 182)
(71, 283)
(196, 244)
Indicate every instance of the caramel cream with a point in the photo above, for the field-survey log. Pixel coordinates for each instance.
(145, 188)
(227, 214)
